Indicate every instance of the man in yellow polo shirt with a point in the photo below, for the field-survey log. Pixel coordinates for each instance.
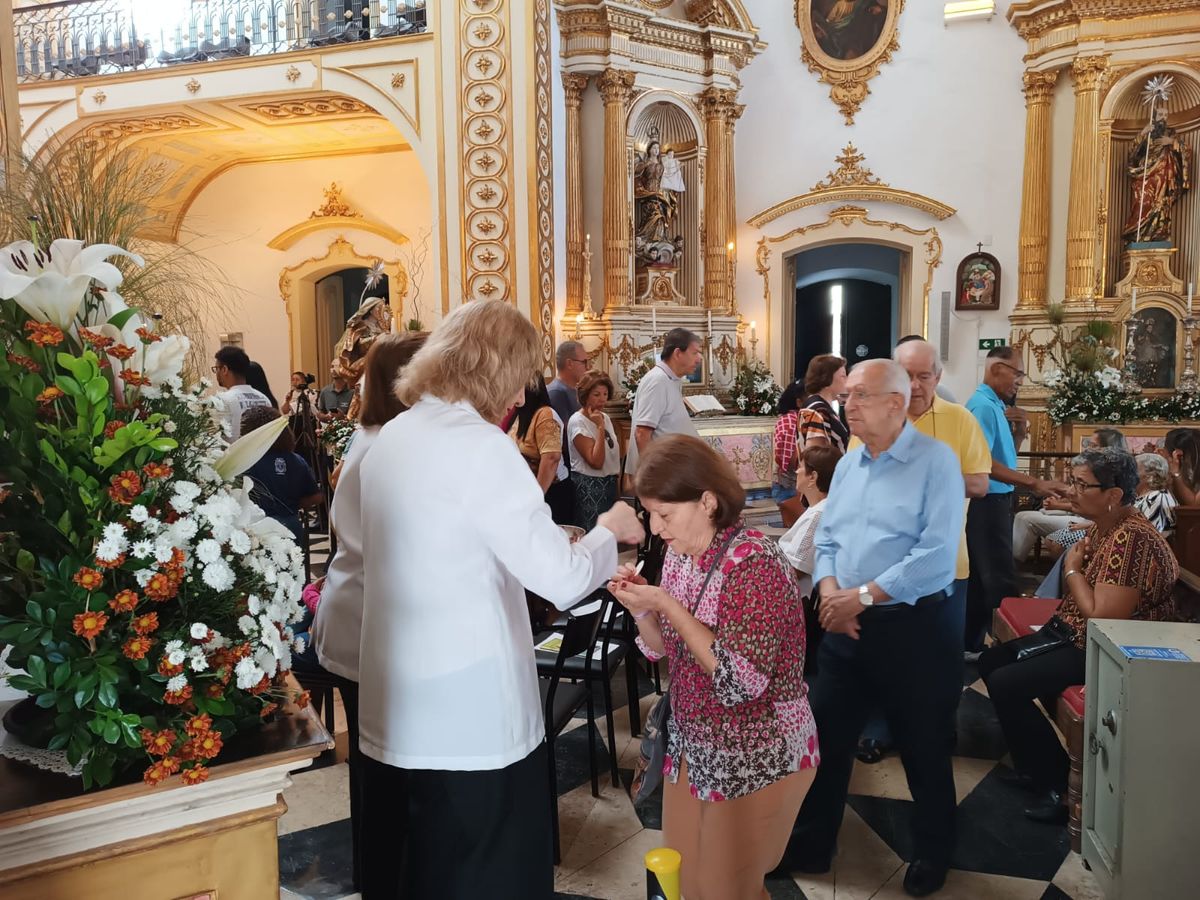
(955, 426)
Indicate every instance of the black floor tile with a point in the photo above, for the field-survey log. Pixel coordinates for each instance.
(995, 837)
(890, 819)
(979, 734)
(571, 757)
(316, 863)
(1055, 893)
(784, 889)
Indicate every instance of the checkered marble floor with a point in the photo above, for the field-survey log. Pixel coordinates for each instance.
(1000, 854)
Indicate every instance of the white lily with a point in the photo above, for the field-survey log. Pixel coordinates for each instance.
(51, 283)
(249, 448)
(164, 358)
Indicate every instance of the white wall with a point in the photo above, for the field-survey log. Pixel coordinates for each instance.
(945, 118)
(235, 217)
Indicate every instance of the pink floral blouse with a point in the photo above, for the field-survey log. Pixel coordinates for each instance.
(748, 724)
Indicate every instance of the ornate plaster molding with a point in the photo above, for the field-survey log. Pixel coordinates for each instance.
(140, 125)
(1033, 18)
(851, 181)
(541, 187)
(310, 108)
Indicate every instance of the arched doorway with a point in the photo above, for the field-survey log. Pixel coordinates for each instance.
(338, 297)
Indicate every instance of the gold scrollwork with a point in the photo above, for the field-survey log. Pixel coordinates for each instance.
(335, 205)
(192, 86)
(398, 79)
(292, 74)
(848, 78)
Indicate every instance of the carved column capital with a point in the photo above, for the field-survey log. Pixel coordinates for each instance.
(616, 86)
(720, 103)
(1088, 71)
(573, 87)
(1039, 86)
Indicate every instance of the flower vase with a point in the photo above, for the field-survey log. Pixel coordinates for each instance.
(29, 723)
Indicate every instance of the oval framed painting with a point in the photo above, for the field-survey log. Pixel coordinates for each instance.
(846, 41)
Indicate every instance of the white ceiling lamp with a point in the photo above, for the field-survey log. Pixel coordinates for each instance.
(965, 10)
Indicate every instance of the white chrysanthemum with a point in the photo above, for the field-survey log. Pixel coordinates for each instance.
(108, 551)
(164, 547)
(198, 631)
(169, 427)
(299, 645)
(138, 513)
(172, 646)
(270, 576)
(207, 473)
(219, 576)
(176, 657)
(178, 683)
(143, 576)
(152, 526)
(254, 604)
(114, 531)
(142, 549)
(185, 529)
(265, 660)
(247, 625)
(248, 674)
(208, 551)
(239, 542)
(197, 660)
(188, 489)
(182, 504)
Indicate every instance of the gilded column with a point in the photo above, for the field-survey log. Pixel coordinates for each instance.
(10, 117)
(616, 87)
(573, 88)
(1032, 287)
(731, 223)
(1087, 72)
(718, 104)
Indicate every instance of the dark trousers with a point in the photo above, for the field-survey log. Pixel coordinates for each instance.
(561, 499)
(1014, 686)
(909, 662)
(993, 574)
(459, 835)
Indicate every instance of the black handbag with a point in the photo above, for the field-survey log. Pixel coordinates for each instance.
(1054, 634)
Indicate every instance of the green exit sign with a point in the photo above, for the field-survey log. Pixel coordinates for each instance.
(991, 343)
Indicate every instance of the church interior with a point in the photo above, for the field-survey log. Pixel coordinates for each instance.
(783, 180)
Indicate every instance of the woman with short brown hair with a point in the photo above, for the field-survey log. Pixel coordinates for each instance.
(741, 741)
(824, 382)
(595, 451)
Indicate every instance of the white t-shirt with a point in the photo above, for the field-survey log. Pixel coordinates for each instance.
(582, 425)
(236, 401)
(658, 404)
(799, 545)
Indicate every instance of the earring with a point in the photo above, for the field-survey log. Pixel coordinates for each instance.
(1110, 507)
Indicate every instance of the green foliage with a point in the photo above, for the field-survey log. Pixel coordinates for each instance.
(754, 390)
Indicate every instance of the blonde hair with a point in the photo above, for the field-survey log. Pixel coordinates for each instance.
(482, 353)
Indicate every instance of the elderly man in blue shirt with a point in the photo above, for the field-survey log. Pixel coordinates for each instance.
(886, 550)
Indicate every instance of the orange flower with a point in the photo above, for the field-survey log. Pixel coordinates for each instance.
(195, 775)
(303, 699)
(44, 334)
(125, 601)
(98, 341)
(156, 470)
(49, 395)
(205, 746)
(24, 362)
(88, 579)
(261, 686)
(197, 725)
(90, 624)
(146, 623)
(161, 586)
(215, 691)
(133, 378)
(158, 743)
(121, 352)
(125, 487)
(170, 765)
(155, 774)
(178, 698)
(165, 668)
(110, 563)
(137, 647)
(268, 709)
(147, 336)
(112, 428)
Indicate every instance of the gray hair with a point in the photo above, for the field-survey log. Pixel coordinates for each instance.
(1112, 468)
(895, 379)
(1110, 437)
(909, 346)
(565, 352)
(1155, 470)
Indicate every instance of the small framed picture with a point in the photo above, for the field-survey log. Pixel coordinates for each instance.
(978, 283)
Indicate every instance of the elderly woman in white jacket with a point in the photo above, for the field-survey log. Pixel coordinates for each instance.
(455, 528)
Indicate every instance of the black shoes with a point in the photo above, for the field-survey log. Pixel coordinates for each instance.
(1050, 810)
(924, 878)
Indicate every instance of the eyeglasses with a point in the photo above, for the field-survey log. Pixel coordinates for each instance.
(585, 360)
(1019, 372)
(922, 377)
(1083, 485)
(863, 396)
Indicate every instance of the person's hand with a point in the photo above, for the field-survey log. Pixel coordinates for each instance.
(850, 629)
(641, 599)
(1077, 556)
(1044, 487)
(839, 608)
(626, 574)
(1175, 463)
(1016, 414)
(595, 416)
(1063, 504)
(623, 522)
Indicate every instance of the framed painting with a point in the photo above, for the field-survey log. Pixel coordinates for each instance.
(1144, 437)
(977, 285)
(1155, 347)
(845, 42)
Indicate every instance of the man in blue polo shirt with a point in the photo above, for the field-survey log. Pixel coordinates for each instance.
(990, 518)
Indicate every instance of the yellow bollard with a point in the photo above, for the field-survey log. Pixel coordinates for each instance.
(662, 874)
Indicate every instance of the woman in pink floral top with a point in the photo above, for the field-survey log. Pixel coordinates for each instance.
(742, 744)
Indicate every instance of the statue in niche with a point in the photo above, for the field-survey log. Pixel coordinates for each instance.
(1154, 348)
(657, 184)
(1160, 169)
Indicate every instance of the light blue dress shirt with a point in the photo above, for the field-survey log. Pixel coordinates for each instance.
(986, 406)
(894, 519)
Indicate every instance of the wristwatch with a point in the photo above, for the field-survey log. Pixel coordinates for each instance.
(864, 596)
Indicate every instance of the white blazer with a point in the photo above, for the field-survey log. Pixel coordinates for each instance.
(454, 529)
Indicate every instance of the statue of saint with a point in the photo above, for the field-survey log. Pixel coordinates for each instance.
(373, 318)
(1160, 168)
(657, 183)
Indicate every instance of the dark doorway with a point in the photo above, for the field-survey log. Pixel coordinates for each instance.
(851, 317)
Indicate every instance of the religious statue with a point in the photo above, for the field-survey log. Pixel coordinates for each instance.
(1154, 349)
(1160, 168)
(657, 184)
(374, 317)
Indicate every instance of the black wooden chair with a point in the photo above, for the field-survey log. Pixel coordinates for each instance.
(560, 701)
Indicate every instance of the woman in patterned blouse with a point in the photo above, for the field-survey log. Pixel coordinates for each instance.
(1122, 569)
(824, 382)
(741, 742)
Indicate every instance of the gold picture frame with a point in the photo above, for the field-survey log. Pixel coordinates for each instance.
(842, 58)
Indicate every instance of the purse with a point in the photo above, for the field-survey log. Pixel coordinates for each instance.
(1054, 634)
(648, 769)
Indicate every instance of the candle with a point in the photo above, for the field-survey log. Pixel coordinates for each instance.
(710, 323)
(654, 321)
(1189, 298)
(1133, 302)
(753, 331)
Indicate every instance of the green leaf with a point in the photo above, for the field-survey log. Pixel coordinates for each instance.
(10, 633)
(33, 609)
(36, 667)
(58, 741)
(62, 674)
(112, 732)
(45, 701)
(83, 696)
(23, 683)
(68, 386)
(119, 319)
(130, 735)
(163, 444)
(96, 389)
(108, 694)
(25, 561)
(64, 522)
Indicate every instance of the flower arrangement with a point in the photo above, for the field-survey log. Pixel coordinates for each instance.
(336, 436)
(634, 377)
(146, 598)
(754, 391)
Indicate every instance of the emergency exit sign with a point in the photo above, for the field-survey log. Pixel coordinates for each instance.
(991, 343)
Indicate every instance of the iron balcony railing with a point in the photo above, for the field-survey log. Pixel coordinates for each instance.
(75, 38)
